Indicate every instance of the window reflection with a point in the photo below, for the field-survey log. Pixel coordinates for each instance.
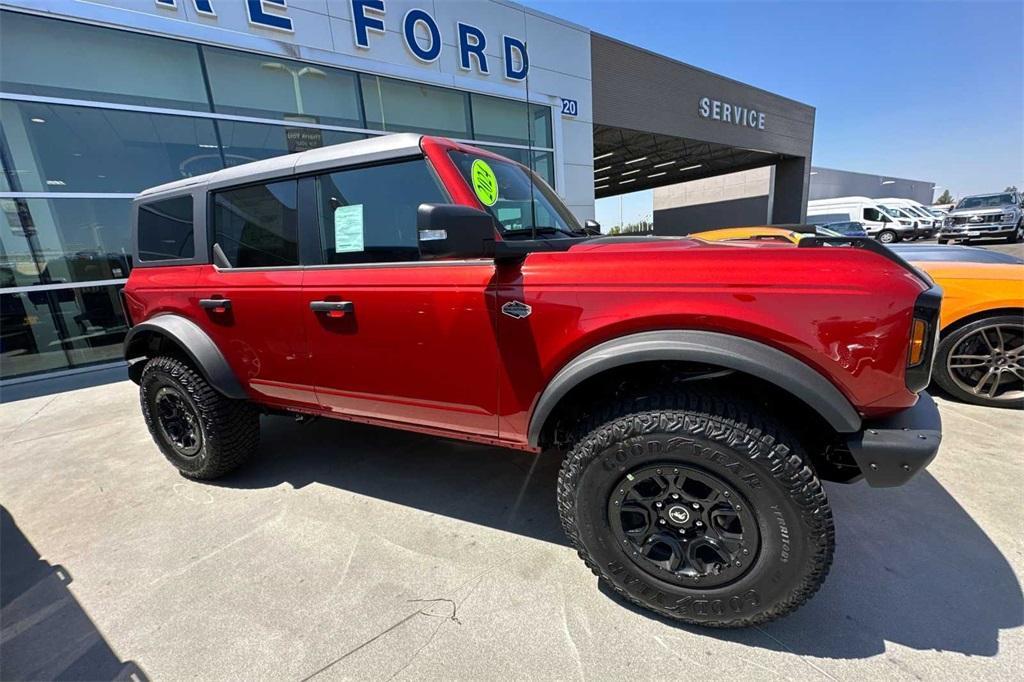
(58, 148)
(404, 106)
(245, 142)
(270, 87)
(65, 240)
(65, 59)
(43, 331)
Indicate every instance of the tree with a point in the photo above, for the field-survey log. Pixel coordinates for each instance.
(945, 198)
(1011, 188)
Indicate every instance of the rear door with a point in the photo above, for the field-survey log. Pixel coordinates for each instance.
(252, 310)
(393, 338)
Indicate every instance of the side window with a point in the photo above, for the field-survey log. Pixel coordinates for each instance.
(368, 215)
(873, 215)
(257, 226)
(165, 230)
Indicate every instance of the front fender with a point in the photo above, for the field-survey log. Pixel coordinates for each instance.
(712, 348)
(193, 342)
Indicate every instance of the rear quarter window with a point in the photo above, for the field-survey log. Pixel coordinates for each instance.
(165, 230)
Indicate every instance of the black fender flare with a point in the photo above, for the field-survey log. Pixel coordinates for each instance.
(194, 342)
(713, 348)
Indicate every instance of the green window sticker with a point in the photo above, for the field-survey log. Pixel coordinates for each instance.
(484, 183)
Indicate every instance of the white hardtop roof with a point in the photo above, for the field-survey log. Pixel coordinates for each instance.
(348, 153)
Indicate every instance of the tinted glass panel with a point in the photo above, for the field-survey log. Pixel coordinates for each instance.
(64, 59)
(50, 330)
(63, 240)
(256, 226)
(398, 106)
(504, 120)
(365, 220)
(269, 87)
(61, 148)
(245, 142)
(522, 204)
(165, 230)
(543, 162)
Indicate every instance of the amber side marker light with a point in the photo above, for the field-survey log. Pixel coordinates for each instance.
(918, 336)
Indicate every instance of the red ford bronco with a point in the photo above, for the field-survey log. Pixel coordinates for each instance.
(700, 392)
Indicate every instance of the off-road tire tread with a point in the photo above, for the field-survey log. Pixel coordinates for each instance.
(231, 428)
(739, 425)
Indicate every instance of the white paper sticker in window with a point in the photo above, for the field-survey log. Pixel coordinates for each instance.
(348, 228)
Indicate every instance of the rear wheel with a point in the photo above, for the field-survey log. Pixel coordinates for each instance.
(692, 507)
(943, 241)
(983, 362)
(888, 237)
(199, 431)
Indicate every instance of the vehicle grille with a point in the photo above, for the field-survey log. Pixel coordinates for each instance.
(962, 219)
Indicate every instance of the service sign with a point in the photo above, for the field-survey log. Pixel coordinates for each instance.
(368, 24)
(730, 112)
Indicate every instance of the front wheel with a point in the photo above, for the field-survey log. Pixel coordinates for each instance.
(983, 362)
(1018, 234)
(888, 237)
(697, 510)
(201, 432)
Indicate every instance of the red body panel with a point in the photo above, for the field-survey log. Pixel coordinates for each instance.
(426, 348)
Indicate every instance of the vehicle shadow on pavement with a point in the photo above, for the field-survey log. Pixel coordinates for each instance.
(46, 633)
(911, 567)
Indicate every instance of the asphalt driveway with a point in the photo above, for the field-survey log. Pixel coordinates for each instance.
(345, 551)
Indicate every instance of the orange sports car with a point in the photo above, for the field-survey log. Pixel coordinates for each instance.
(980, 356)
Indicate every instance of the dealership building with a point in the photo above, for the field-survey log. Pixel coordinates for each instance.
(747, 197)
(100, 99)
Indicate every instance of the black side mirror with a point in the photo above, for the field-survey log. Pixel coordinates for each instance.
(592, 228)
(454, 231)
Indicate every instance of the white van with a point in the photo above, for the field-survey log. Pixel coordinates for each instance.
(887, 226)
(927, 223)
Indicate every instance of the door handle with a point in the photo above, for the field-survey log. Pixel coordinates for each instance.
(332, 308)
(217, 305)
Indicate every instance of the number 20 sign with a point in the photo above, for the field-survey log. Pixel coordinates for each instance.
(570, 107)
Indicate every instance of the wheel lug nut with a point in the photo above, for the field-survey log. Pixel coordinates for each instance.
(675, 496)
(699, 524)
(658, 505)
(661, 521)
(682, 531)
(746, 551)
(726, 493)
(695, 505)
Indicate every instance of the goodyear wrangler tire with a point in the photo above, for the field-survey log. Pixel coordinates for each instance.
(698, 509)
(199, 431)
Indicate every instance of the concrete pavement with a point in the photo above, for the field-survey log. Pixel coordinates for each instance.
(348, 552)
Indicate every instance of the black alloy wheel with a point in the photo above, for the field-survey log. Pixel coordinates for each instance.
(683, 525)
(178, 421)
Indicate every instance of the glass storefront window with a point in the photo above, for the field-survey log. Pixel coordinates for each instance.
(268, 87)
(44, 331)
(404, 106)
(40, 56)
(245, 142)
(63, 240)
(60, 148)
(504, 120)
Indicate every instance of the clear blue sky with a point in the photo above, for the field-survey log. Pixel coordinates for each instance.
(924, 90)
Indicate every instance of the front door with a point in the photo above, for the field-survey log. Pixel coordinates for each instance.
(252, 310)
(393, 338)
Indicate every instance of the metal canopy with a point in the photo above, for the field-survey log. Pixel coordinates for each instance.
(630, 160)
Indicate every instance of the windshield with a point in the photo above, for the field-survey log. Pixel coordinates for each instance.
(519, 200)
(986, 201)
(918, 211)
(893, 211)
